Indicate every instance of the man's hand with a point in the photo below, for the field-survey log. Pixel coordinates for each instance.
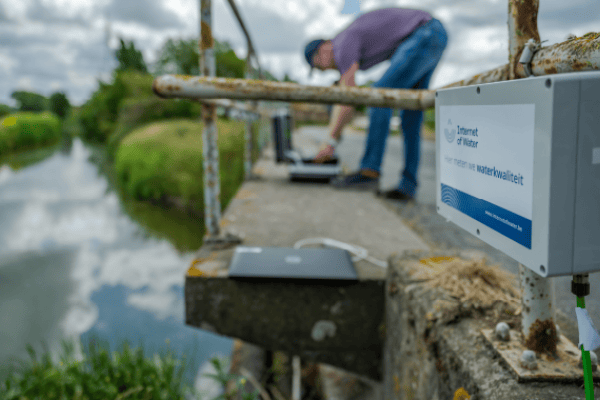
(325, 154)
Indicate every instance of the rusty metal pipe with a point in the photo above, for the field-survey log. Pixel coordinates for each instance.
(493, 75)
(247, 108)
(210, 150)
(251, 50)
(214, 88)
(574, 55)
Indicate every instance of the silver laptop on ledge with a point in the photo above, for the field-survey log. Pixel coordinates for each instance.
(290, 263)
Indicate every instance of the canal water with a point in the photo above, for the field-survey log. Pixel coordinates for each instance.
(76, 261)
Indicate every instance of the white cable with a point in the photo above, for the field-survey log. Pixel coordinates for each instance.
(360, 253)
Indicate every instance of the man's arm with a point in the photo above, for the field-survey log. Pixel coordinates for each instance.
(347, 112)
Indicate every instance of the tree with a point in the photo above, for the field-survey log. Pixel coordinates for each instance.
(228, 63)
(180, 56)
(59, 104)
(130, 58)
(286, 78)
(5, 110)
(30, 101)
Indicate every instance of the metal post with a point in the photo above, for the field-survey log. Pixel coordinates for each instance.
(210, 150)
(537, 292)
(538, 313)
(522, 25)
(248, 134)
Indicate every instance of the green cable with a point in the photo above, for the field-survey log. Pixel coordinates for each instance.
(587, 363)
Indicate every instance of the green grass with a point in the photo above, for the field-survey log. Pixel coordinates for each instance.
(101, 374)
(124, 374)
(429, 118)
(137, 112)
(27, 130)
(164, 159)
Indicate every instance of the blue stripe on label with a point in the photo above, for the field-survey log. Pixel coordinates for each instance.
(507, 223)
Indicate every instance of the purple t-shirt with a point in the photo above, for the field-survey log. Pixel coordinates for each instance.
(374, 36)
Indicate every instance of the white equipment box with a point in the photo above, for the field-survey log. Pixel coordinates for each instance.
(518, 166)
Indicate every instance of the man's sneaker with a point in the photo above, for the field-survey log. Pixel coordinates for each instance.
(394, 194)
(356, 181)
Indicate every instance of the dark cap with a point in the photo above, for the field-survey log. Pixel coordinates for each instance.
(310, 51)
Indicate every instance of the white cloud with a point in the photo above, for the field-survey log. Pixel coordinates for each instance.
(75, 31)
(37, 228)
(151, 13)
(24, 83)
(7, 63)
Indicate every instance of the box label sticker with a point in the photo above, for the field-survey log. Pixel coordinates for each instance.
(486, 156)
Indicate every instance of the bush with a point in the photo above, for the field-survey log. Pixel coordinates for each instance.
(5, 110)
(164, 159)
(25, 130)
(100, 114)
(136, 112)
(59, 105)
(30, 101)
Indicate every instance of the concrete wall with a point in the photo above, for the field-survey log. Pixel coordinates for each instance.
(434, 345)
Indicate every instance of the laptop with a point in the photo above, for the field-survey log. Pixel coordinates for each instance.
(289, 263)
(300, 168)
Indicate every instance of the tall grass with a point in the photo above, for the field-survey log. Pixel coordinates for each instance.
(26, 130)
(164, 160)
(100, 374)
(124, 374)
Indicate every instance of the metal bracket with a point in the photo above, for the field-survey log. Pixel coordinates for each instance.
(559, 367)
(222, 241)
(528, 51)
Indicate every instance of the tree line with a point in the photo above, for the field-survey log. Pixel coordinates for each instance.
(177, 56)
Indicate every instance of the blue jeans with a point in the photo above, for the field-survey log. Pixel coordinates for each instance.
(412, 65)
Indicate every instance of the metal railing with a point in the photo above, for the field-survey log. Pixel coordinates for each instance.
(572, 55)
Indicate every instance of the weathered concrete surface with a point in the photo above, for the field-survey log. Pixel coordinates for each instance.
(286, 316)
(340, 384)
(338, 324)
(431, 351)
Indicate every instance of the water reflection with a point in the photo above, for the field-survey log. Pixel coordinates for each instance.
(72, 263)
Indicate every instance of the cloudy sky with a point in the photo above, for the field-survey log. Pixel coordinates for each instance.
(50, 45)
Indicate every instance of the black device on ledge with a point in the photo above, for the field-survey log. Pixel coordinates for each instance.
(300, 168)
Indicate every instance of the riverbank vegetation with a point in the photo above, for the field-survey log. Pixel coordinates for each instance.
(154, 147)
(28, 130)
(163, 162)
(99, 374)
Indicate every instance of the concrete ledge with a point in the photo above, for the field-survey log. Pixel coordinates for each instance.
(434, 348)
(336, 323)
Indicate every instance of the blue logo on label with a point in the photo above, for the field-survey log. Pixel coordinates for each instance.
(449, 134)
